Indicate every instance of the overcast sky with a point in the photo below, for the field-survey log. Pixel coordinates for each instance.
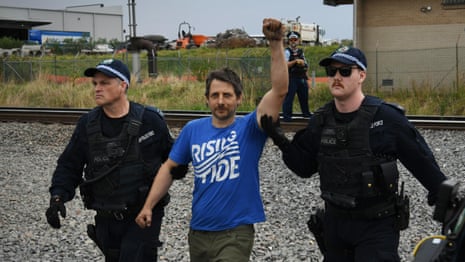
(210, 17)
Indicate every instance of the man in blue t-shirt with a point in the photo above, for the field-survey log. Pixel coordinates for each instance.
(224, 151)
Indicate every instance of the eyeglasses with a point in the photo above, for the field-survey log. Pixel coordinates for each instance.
(293, 39)
(345, 71)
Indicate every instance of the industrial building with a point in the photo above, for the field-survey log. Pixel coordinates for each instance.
(410, 43)
(98, 21)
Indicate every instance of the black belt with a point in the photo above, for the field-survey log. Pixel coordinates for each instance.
(117, 214)
(246, 227)
(374, 212)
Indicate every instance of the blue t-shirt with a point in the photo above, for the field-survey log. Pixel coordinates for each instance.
(225, 160)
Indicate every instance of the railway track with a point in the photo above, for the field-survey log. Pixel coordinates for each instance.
(179, 118)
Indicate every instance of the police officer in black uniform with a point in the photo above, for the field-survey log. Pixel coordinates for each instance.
(119, 146)
(297, 66)
(353, 142)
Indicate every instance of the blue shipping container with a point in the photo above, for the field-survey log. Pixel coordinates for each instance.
(44, 36)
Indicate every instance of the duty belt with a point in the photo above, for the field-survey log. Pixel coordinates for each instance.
(117, 214)
(374, 212)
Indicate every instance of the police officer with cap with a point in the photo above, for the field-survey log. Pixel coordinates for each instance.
(113, 156)
(353, 143)
(297, 66)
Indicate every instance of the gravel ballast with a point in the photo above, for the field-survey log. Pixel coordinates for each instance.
(28, 157)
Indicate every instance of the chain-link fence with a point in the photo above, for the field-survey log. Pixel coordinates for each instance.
(428, 68)
(254, 72)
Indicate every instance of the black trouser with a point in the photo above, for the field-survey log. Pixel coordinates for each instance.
(297, 85)
(123, 240)
(361, 240)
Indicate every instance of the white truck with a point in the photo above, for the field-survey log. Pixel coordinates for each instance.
(99, 49)
(310, 34)
(33, 48)
(10, 51)
(29, 48)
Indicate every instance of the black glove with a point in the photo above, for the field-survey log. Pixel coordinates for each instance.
(179, 171)
(274, 131)
(56, 205)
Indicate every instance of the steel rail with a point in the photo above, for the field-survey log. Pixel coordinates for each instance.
(176, 118)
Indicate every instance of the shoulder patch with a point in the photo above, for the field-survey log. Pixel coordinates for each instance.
(396, 106)
(156, 110)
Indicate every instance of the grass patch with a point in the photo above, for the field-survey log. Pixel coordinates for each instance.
(181, 82)
(171, 92)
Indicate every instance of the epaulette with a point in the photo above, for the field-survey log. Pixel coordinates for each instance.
(156, 110)
(396, 106)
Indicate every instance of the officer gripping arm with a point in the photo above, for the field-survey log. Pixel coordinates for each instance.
(296, 156)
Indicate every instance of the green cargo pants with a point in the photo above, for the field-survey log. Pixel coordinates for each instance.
(232, 245)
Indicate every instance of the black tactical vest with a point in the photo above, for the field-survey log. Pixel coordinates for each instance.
(348, 169)
(297, 71)
(116, 172)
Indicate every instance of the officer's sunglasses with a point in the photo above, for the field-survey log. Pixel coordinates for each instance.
(345, 71)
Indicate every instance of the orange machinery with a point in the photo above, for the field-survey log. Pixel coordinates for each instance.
(186, 39)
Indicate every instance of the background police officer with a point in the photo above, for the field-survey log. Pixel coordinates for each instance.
(297, 65)
(353, 142)
(119, 146)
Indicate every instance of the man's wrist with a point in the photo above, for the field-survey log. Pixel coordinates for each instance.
(283, 144)
(56, 198)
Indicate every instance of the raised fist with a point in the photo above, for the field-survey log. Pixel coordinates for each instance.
(273, 29)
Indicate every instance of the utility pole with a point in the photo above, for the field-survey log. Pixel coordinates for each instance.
(457, 61)
(132, 33)
(132, 18)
